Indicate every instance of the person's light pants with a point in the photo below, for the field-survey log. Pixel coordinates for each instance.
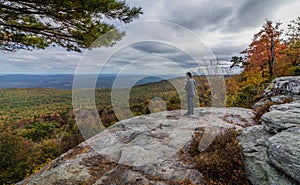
(190, 104)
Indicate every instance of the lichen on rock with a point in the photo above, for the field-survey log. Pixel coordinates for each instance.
(140, 150)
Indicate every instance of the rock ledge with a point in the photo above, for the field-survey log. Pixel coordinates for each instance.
(140, 150)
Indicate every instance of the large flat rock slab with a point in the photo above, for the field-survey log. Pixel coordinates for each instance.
(141, 150)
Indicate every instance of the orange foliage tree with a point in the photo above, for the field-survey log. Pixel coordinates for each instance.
(268, 56)
(292, 52)
(263, 52)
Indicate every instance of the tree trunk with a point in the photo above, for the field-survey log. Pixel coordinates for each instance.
(262, 71)
(273, 61)
(270, 69)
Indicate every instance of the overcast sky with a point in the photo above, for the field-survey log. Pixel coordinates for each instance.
(184, 34)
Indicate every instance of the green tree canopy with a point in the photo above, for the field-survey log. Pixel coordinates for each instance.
(72, 24)
(293, 42)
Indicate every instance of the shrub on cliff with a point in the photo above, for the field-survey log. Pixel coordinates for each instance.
(222, 161)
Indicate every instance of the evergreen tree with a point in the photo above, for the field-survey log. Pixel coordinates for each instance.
(72, 24)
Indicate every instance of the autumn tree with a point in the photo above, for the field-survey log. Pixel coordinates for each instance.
(265, 48)
(16, 158)
(267, 56)
(72, 24)
(293, 42)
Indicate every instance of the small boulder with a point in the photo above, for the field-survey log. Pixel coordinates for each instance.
(284, 151)
(261, 172)
(282, 117)
(281, 90)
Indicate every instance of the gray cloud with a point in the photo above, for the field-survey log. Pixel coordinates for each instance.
(253, 13)
(207, 14)
(226, 27)
(48, 61)
(146, 55)
(230, 15)
(154, 47)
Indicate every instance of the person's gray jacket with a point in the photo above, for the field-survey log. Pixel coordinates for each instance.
(190, 87)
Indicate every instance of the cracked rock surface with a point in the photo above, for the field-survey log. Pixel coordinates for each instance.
(282, 117)
(272, 150)
(141, 150)
(281, 89)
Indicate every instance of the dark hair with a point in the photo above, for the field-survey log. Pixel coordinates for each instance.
(189, 73)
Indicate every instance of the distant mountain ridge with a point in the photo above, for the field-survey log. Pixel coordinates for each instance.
(65, 81)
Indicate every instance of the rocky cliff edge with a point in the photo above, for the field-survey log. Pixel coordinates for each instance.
(272, 150)
(141, 150)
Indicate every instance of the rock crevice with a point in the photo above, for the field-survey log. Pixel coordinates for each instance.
(272, 150)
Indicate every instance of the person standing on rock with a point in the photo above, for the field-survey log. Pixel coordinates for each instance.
(190, 88)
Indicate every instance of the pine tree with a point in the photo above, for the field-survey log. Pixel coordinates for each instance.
(72, 24)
